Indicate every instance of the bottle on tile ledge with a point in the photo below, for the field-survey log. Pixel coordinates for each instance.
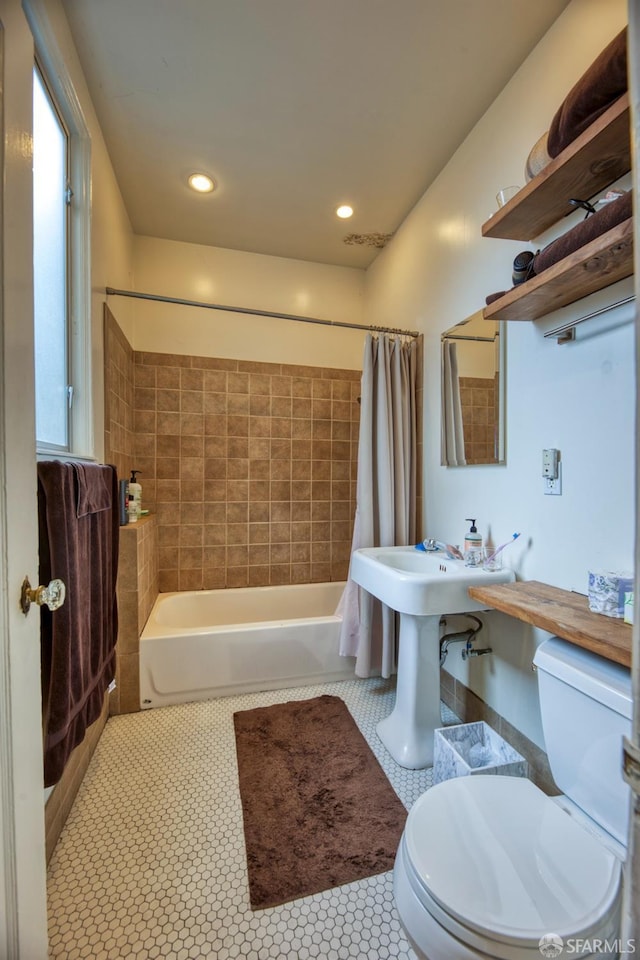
(123, 501)
(135, 498)
(473, 545)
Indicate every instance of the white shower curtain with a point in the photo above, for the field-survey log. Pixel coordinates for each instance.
(453, 453)
(386, 493)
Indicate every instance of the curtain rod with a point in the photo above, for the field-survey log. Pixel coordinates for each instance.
(111, 292)
(475, 339)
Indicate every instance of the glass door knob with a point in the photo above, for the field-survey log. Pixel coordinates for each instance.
(51, 596)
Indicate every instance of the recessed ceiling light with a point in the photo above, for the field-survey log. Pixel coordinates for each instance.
(201, 183)
(345, 211)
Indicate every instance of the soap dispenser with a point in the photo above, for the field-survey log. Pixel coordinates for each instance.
(473, 539)
(135, 497)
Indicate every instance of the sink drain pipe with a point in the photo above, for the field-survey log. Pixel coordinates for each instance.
(462, 636)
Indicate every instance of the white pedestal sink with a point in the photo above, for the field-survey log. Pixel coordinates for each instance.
(421, 587)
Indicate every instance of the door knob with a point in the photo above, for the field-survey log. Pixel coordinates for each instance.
(51, 596)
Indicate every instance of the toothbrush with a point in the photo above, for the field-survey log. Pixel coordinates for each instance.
(501, 548)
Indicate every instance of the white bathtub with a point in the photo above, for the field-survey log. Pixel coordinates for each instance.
(211, 643)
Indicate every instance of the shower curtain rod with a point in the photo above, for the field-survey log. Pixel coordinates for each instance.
(478, 339)
(111, 292)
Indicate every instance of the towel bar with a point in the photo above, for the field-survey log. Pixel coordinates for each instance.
(565, 333)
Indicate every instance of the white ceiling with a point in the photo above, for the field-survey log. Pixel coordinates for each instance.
(293, 106)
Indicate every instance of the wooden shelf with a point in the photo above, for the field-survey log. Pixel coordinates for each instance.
(562, 613)
(597, 158)
(596, 265)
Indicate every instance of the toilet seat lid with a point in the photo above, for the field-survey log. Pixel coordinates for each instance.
(500, 857)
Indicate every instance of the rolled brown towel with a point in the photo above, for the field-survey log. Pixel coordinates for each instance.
(492, 297)
(600, 86)
(605, 219)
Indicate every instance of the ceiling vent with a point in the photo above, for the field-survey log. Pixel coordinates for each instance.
(378, 240)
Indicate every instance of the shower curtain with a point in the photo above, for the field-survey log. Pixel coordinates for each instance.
(386, 493)
(452, 430)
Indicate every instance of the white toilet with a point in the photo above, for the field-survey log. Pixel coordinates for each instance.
(488, 866)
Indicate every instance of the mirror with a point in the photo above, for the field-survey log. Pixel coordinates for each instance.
(473, 378)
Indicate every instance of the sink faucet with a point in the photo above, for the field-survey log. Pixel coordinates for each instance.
(431, 546)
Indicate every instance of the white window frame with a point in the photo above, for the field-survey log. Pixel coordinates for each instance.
(51, 63)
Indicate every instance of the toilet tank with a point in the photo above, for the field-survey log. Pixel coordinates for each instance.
(586, 708)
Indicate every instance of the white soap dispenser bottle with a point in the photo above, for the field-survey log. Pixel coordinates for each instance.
(135, 498)
(473, 539)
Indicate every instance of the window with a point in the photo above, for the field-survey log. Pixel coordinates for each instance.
(61, 251)
(51, 197)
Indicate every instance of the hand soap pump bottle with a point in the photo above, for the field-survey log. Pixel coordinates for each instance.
(135, 498)
(473, 539)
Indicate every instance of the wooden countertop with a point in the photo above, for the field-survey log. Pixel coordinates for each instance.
(562, 613)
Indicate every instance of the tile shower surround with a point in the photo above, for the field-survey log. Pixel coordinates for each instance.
(250, 468)
(137, 591)
(119, 441)
(479, 398)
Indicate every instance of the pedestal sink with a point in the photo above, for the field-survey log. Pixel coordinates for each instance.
(421, 587)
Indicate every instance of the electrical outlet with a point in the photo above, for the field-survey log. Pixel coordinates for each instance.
(553, 486)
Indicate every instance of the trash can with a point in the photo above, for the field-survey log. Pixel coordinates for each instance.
(469, 748)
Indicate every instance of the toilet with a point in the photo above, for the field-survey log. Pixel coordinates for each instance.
(491, 867)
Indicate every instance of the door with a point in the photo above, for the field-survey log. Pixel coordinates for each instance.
(22, 852)
(631, 907)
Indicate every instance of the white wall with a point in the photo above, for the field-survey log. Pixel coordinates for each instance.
(192, 271)
(111, 234)
(578, 397)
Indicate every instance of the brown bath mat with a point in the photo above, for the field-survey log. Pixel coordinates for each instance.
(318, 809)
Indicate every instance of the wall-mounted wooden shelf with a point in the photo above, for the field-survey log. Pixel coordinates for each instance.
(597, 158)
(596, 265)
(562, 613)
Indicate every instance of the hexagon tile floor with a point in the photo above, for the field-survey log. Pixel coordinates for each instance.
(151, 862)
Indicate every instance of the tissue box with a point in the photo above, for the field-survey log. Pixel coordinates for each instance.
(606, 592)
(628, 607)
(469, 748)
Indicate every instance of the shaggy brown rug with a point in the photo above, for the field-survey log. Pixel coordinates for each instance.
(318, 809)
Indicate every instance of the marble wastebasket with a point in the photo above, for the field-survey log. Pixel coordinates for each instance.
(469, 748)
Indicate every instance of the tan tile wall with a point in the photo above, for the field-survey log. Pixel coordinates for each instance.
(138, 561)
(137, 590)
(250, 467)
(148, 574)
(118, 397)
(479, 400)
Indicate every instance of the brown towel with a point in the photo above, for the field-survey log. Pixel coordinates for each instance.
(600, 86)
(605, 219)
(492, 297)
(94, 489)
(78, 544)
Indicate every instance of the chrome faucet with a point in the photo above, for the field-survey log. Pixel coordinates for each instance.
(431, 546)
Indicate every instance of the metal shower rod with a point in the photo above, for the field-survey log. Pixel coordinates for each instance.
(111, 292)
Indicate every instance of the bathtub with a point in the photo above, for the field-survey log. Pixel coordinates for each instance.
(211, 643)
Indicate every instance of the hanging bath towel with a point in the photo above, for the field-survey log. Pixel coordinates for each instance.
(78, 534)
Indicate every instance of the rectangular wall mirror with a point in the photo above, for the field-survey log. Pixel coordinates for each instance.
(473, 380)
